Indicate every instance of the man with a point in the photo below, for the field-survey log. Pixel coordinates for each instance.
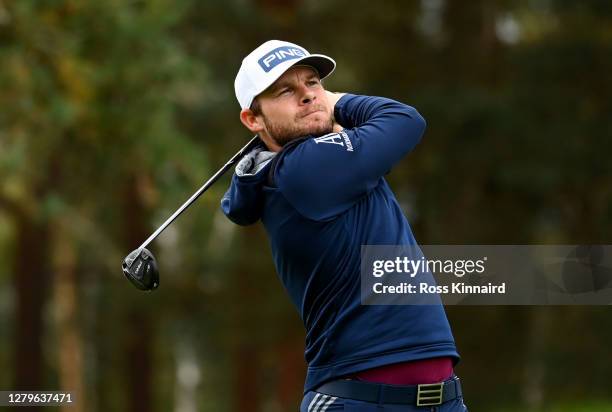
(317, 185)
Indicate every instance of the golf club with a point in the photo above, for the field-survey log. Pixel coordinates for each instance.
(140, 266)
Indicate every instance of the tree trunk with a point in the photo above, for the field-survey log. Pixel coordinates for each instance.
(535, 364)
(70, 342)
(139, 370)
(291, 373)
(31, 284)
(246, 379)
(139, 334)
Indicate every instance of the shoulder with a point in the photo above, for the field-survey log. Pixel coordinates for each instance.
(313, 157)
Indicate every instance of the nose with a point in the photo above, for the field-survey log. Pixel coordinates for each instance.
(308, 95)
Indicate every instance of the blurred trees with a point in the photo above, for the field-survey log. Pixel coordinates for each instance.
(113, 113)
(89, 92)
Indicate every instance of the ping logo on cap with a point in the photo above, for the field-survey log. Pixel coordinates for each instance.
(279, 55)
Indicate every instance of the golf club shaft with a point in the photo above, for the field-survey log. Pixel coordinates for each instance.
(252, 143)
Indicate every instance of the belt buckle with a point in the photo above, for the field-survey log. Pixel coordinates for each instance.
(429, 394)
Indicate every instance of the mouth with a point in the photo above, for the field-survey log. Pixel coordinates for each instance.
(312, 112)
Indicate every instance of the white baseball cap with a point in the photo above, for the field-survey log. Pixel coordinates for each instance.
(264, 65)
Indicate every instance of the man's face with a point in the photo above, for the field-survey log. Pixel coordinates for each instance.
(295, 105)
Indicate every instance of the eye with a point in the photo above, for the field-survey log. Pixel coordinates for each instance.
(312, 82)
(284, 91)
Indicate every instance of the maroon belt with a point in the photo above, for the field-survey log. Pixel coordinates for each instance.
(431, 370)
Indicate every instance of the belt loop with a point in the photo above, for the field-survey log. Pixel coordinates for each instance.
(381, 399)
(457, 387)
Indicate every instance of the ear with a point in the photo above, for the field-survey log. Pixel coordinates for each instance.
(256, 125)
(252, 122)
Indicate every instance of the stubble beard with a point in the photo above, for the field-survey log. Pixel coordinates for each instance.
(283, 134)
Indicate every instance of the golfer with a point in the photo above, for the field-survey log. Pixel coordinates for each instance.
(316, 182)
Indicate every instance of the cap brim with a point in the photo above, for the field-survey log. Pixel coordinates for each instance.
(324, 65)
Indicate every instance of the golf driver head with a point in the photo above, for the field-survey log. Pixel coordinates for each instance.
(140, 267)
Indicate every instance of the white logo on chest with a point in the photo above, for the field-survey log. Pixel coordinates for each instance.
(336, 138)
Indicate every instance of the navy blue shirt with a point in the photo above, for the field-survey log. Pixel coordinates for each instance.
(327, 198)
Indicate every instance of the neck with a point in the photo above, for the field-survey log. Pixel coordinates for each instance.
(270, 143)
